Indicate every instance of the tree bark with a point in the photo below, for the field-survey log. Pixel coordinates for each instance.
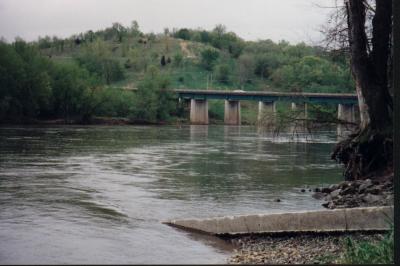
(370, 70)
(370, 150)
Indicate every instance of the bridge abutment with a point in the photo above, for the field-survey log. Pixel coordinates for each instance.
(199, 112)
(346, 113)
(232, 113)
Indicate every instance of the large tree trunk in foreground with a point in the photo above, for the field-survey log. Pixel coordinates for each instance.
(370, 150)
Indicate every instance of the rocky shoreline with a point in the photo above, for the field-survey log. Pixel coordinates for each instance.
(359, 193)
(313, 248)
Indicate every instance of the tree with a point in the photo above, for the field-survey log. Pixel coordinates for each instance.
(183, 34)
(245, 68)
(369, 150)
(178, 58)
(97, 59)
(134, 29)
(153, 101)
(162, 62)
(222, 73)
(208, 58)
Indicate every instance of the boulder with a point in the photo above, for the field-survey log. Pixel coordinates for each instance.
(373, 190)
(318, 195)
(370, 198)
(349, 191)
(328, 197)
(335, 193)
(326, 190)
(344, 184)
(366, 184)
(333, 187)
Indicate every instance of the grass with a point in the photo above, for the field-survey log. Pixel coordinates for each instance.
(363, 252)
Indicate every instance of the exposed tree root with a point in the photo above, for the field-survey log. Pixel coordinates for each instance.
(365, 154)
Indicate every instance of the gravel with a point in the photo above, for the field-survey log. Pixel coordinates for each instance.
(316, 248)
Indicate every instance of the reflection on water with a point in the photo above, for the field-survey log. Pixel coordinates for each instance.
(98, 194)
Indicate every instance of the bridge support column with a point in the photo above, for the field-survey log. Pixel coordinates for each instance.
(199, 112)
(232, 113)
(346, 113)
(266, 110)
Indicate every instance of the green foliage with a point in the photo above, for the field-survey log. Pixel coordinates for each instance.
(37, 80)
(73, 92)
(209, 58)
(183, 34)
(222, 73)
(177, 60)
(116, 102)
(364, 252)
(24, 81)
(98, 60)
(313, 74)
(216, 109)
(153, 101)
(266, 64)
(245, 68)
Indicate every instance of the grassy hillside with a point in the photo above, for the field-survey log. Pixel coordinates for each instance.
(110, 63)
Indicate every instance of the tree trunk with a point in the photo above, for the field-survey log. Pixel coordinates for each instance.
(369, 150)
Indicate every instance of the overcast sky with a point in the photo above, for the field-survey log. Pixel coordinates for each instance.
(292, 20)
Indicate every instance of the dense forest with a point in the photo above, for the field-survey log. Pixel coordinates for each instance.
(125, 73)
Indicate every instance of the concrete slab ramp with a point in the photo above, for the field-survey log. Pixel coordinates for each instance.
(338, 220)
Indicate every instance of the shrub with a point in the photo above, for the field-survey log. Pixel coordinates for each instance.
(222, 73)
(209, 58)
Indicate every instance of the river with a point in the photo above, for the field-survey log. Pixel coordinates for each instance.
(98, 194)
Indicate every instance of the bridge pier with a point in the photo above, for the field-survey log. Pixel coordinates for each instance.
(266, 110)
(346, 113)
(199, 112)
(232, 113)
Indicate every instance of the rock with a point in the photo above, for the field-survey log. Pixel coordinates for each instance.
(370, 198)
(331, 205)
(335, 193)
(328, 197)
(325, 204)
(277, 200)
(318, 195)
(348, 190)
(326, 190)
(366, 184)
(333, 187)
(317, 189)
(303, 190)
(344, 184)
(373, 190)
(389, 199)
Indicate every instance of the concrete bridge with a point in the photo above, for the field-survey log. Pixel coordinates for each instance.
(267, 103)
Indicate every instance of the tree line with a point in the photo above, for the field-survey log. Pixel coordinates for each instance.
(83, 76)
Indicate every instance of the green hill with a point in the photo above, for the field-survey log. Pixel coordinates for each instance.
(114, 64)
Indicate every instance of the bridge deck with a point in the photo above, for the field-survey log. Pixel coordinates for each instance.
(265, 96)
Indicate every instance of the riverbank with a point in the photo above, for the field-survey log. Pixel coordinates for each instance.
(295, 249)
(317, 248)
(101, 121)
(359, 193)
